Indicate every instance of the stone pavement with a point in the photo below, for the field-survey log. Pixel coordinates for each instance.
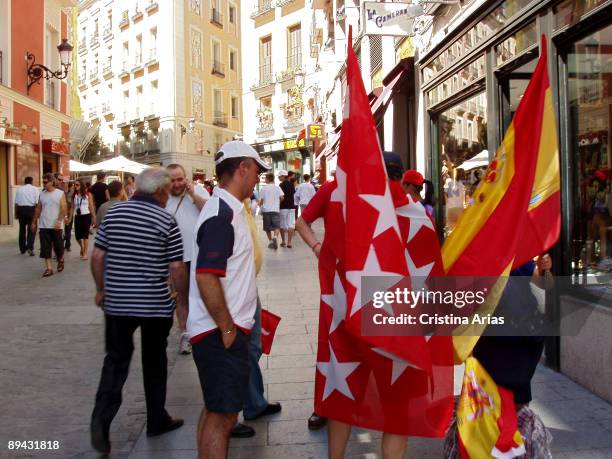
(52, 351)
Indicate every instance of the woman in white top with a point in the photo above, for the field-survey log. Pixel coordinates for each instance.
(84, 217)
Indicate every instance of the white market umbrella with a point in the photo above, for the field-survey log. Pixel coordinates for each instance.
(480, 160)
(121, 164)
(76, 166)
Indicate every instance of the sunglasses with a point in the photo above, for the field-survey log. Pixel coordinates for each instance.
(45, 182)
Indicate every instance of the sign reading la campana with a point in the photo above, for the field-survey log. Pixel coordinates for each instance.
(390, 18)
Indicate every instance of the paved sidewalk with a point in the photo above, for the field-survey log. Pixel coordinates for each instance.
(52, 350)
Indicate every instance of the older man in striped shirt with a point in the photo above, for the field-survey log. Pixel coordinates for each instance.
(137, 246)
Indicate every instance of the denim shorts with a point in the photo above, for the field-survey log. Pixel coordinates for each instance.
(224, 373)
(271, 221)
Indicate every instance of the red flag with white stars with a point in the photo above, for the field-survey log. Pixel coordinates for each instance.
(269, 324)
(395, 384)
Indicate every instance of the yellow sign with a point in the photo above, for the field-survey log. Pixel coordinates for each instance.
(292, 143)
(406, 49)
(314, 131)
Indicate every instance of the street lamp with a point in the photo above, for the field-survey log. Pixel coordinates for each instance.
(37, 71)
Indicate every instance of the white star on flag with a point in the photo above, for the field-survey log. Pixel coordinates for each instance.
(417, 215)
(399, 365)
(339, 194)
(336, 374)
(386, 211)
(371, 268)
(337, 301)
(419, 275)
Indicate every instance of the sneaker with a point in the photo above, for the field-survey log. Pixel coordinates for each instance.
(184, 345)
(274, 244)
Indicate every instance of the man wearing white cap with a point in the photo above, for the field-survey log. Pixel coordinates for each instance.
(223, 296)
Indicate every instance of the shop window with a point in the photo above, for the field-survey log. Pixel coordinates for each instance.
(589, 67)
(463, 155)
(516, 44)
(465, 77)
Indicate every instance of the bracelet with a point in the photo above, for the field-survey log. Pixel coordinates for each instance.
(229, 332)
(314, 245)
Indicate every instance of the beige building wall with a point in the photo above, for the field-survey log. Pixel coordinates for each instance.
(212, 79)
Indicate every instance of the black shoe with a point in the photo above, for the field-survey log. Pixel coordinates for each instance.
(242, 431)
(272, 408)
(31, 252)
(316, 422)
(68, 249)
(99, 436)
(171, 424)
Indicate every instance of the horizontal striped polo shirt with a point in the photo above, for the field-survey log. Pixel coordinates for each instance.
(140, 239)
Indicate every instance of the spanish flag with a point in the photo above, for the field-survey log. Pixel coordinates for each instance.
(516, 213)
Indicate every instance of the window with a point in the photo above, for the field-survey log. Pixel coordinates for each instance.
(153, 43)
(589, 65)
(126, 56)
(265, 59)
(294, 47)
(232, 60)
(234, 107)
(138, 101)
(126, 105)
(138, 57)
(459, 177)
(217, 100)
(232, 14)
(266, 102)
(154, 94)
(375, 53)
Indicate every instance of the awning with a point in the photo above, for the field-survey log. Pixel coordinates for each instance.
(121, 164)
(76, 166)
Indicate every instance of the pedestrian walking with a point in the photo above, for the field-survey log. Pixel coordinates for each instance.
(270, 197)
(304, 193)
(223, 296)
(84, 217)
(136, 247)
(116, 194)
(130, 187)
(51, 210)
(287, 209)
(99, 191)
(26, 199)
(185, 203)
(69, 216)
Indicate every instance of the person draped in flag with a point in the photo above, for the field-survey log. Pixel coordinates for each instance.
(399, 385)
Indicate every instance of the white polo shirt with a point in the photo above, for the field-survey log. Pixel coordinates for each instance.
(27, 195)
(270, 194)
(222, 245)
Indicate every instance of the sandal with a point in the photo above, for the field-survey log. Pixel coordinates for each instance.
(47, 273)
(289, 246)
(60, 266)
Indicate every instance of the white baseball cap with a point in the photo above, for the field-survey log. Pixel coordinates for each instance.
(282, 173)
(239, 149)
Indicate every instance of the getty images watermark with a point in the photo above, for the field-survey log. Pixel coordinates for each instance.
(494, 306)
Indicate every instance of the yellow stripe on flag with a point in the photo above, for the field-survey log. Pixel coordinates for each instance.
(546, 181)
(487, 197)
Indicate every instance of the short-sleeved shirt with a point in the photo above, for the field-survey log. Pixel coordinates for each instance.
(27, 195)
(289, 192)
(186, 214)
(222, 245)
(304, 193)
(270, 194)
(50, 202)
(140, 239)
(98, 191)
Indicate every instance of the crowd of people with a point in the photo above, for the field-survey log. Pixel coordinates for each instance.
(167, 249)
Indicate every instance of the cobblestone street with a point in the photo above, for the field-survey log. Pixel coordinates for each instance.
(52, 350)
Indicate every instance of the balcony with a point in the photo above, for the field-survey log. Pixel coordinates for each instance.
(82, 81)
(92, 113)
(265, 78)
(152, 6)
(216, 17)
(265, 121)
(137, 14)
(50, 93)
(294, 111)
(107, 33)
(137, 62)
(125, 69)
(107, 70)
(82, 45)
(281, 3)
(125, 20)
(107, 110)
(93, 76)
(94, 41)
(293, 66)
(218, 68)
(261, 8)
(220, 118)
(152, 57)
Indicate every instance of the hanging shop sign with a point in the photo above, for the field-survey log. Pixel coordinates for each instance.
(395, 19)
(288, 144)
(57, 148)
(315, 131)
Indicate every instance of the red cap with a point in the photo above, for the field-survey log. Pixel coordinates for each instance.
(413, 177)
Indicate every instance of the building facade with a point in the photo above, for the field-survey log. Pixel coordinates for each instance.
(34, 116)
(147, 74)
(474, 63)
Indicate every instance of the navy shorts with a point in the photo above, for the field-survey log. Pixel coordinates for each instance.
(224, 373)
